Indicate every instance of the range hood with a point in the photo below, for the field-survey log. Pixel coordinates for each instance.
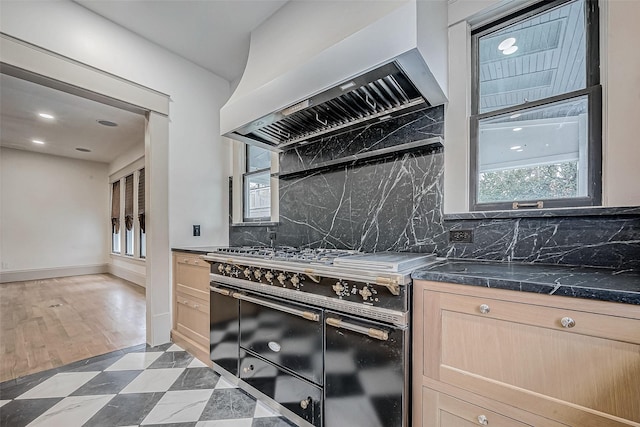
(322, 67)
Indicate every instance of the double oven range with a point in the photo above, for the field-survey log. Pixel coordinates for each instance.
(322, 334)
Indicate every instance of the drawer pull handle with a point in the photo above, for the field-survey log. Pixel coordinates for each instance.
(248, 369)
(314, 317)
(195, 306)
(304, 404)
(484, 308)
(186, 260)
(567, 322)
(220, 290)
(482, 420)
(373, 333)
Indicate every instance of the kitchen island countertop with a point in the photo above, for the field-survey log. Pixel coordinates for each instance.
(582, 282)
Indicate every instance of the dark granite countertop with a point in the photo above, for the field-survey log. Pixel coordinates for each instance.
(582, 282)
(196, 249)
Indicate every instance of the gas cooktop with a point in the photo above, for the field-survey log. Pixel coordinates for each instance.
(350, 259)
(288, 253)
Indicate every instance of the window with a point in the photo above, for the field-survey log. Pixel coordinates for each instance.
(127, 204)
(256, 184)
(128, 215)
(536, 109)
(115, 217)
(141, 217)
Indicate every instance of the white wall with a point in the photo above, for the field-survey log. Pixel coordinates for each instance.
(199, 163)
(54, 215)
(619, 77)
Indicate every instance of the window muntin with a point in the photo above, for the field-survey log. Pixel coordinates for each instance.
(257, 184)
(536, 122)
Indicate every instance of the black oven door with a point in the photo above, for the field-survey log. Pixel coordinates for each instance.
(284, 333)
(366, 373)
(224, 328)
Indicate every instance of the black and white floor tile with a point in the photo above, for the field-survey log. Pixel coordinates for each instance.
(139, 386)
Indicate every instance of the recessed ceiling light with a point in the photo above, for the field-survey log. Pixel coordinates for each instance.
(510, 50)
(84, 150)
(506, 43)
(515, 116)
(516, 147)
(517, 129)
(107, 123)
(46, 116)
(520, 150)
(37, 141)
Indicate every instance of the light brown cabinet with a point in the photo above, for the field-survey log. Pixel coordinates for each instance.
(191, 304)
(531, 359)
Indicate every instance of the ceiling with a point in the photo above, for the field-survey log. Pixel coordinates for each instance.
(75, 124)
(213, 34)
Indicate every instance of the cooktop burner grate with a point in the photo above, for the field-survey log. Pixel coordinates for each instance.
(289, 253)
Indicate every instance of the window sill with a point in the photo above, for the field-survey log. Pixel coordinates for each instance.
(545, 213)
(129, 258)
(255, 224)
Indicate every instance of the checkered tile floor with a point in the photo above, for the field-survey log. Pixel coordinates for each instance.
(138, 386)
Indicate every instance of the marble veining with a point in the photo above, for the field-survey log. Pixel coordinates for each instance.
(603, 241)
(584, 282)
(379, 206)
(396, 203)
(418, 125)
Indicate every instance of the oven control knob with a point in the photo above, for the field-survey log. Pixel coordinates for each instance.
(269, 276)
(228, 269)
(257, 273)
(295, 280)
(247, 273)
(339, 288)
(220, 268)
(281, 278)
(365, 293)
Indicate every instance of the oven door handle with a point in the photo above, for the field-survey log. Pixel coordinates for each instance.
(300, 313)
(220, 291)
(373, 333)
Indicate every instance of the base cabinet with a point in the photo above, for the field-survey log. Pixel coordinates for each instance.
(568, 361)
(442, 410)
(191, 304)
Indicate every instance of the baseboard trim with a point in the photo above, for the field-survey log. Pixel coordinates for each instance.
(51, 273)
(123, 273)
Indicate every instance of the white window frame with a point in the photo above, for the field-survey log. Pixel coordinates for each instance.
(592, 92)
(237, 200)
(121, 175)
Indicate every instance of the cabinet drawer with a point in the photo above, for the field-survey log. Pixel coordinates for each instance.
(584, 373)
(442, 410)
(191, 259)
(192, 318)
(190, 275)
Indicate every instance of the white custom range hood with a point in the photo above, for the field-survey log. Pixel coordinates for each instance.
(317, 68)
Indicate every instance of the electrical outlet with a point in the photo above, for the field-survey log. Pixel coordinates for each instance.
(196, 230)
(461, 236)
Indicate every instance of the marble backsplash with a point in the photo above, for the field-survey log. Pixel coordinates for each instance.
(396, 204)
(415, 126)
(605, 239)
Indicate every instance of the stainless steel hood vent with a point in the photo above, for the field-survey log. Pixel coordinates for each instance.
(378, 95)
(318, 68)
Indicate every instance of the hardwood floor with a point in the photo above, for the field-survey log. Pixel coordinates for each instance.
(49, 323)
